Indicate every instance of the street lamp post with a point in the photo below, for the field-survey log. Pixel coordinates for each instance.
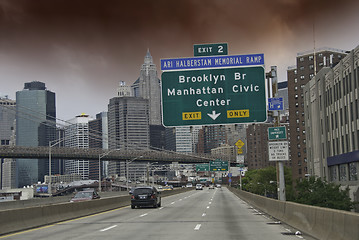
(57, 141)
(127, 163)
(99, 166)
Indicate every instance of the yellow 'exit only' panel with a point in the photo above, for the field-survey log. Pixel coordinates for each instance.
(191, 115)
(238, 113)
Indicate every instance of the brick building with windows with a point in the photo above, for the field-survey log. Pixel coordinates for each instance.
(308, 64)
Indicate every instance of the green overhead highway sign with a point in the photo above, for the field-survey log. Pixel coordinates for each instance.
(214, 96)
(218, 165)
(202, 167)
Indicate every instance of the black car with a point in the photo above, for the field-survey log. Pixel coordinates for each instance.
(145, 196)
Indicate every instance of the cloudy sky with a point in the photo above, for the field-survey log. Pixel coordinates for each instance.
(81, 49)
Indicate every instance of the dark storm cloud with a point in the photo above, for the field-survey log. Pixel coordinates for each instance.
(91, 45)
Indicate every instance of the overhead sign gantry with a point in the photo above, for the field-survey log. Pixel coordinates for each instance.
(213, 90)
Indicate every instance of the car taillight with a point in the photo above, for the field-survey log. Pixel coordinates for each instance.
(132, 197)
(152, 196)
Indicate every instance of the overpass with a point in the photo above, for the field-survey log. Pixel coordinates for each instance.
(106, 155)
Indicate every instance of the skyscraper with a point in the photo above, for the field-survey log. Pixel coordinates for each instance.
(148, 87)
(98, 128)
(7, 124)
(128, 127)
(35, 126)
(77, 135)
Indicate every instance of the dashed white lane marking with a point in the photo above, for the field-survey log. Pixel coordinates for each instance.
(105, 229)
(198, 226)
(210, 202)
(144, 215)
(172, 202)
(203, 214)
(207, 206)
(160, 208)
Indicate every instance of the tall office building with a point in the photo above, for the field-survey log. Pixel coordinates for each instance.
(128, 123)
(77, 136)
(35, 126)
(148, 87)
(332, 123)
(98, 128)
(7, 134)
(307, 66)
(211, 137)
(128, 127)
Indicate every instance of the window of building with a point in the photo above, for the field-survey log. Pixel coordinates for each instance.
(342, 172)
(295, 80)
(353, 172)
(301, 59)
(302, 77)
(311, 76)
(333, 173)
(301, 68)
(311, 57)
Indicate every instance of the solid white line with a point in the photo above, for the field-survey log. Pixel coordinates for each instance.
(105, 229)
(198, 226)
(143, 215)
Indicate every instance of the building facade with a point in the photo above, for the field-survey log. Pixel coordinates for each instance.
(35, 126)
(128, 128)
(147, 86)
(98, 130)
(77, 136)
(7, 135)
(332, 123)
(308, 64)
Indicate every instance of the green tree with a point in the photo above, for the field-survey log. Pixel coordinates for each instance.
(264, 182)
(319, 193)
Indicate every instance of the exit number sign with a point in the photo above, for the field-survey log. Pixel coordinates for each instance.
(216, 49)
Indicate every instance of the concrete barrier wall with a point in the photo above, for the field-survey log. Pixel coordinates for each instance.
(13, 220)
(321, 223)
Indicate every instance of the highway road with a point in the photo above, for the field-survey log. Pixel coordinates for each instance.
(201, 215)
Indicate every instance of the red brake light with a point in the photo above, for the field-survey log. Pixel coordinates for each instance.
(132, 197)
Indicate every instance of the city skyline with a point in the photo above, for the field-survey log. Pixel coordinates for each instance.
(82, 52)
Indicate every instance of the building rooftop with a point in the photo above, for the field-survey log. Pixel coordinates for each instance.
(322, 49)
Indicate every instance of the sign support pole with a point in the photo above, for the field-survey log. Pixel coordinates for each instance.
(279, 165)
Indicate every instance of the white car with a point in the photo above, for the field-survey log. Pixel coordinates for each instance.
(199, 187)
(189, 185)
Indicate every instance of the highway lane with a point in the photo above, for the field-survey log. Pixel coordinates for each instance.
(204, 214)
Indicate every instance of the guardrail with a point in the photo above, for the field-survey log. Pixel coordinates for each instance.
(14, 220)
(321, 223)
